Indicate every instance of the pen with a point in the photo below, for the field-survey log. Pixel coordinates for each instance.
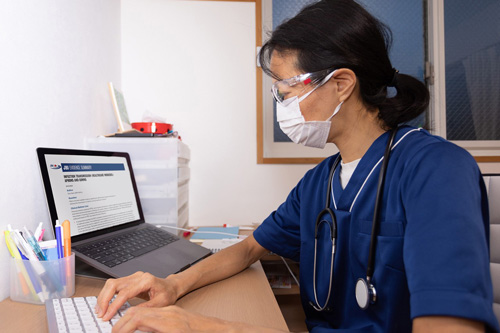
(38, 231)
(60, 251)
(41, 235)
(67, 238)
(59, 239)
(34, 244)
(23, 246)
(240, 227)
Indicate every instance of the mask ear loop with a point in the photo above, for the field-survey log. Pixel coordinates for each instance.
(337, 109)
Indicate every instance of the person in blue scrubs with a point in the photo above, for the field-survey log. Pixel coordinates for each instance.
(332, 79)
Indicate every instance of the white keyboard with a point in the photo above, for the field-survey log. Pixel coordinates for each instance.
(77, 315)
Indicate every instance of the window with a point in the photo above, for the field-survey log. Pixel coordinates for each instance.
(464, 53)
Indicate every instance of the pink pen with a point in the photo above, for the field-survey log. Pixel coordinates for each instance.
(38, 231)
(41, 235)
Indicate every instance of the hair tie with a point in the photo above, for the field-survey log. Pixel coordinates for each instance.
(394, 79)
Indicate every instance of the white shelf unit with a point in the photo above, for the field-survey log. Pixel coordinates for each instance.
(161, 170)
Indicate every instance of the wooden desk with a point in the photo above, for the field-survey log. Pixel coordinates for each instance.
(245, 297)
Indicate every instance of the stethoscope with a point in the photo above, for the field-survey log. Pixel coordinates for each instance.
(366, 293)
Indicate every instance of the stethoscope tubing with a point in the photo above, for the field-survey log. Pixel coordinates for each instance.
(333, 236)
(370, 267)
(333, 226)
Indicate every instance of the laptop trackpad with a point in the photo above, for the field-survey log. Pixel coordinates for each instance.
(160, 262)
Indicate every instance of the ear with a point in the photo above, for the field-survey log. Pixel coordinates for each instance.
(345, 82)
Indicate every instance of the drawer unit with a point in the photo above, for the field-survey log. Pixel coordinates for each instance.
(161, 170)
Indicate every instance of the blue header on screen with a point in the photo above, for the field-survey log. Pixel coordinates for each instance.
(79, 167)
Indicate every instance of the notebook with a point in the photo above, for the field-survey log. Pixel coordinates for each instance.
(96, 191)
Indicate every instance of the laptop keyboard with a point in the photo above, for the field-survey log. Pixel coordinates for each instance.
(121, 248)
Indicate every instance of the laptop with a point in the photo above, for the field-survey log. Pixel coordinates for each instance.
(97, 193)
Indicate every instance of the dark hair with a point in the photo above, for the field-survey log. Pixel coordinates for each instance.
(342, 34)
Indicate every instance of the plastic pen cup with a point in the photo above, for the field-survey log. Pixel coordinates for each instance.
(57, 273)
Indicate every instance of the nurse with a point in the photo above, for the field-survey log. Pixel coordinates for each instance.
(423, 267)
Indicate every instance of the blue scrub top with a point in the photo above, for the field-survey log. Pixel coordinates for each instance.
(432, 246)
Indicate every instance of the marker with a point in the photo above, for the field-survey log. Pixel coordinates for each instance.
(6, 234)
(13, 251)
(67, 238)
(34, 244)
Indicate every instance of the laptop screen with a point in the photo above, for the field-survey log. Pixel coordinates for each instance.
(94, 190)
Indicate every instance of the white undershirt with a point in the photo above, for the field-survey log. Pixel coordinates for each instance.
(346, 171)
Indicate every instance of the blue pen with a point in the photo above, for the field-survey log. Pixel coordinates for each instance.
(59, 238)
(22, 254)
(34, 244)
(60, 252)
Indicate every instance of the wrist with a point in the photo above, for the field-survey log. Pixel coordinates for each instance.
(178, 284)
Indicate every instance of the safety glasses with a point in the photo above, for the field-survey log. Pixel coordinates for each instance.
(295, 86)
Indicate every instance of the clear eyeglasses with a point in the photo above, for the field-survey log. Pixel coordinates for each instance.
(295, 86)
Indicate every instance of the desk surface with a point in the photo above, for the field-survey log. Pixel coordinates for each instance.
(245, 297)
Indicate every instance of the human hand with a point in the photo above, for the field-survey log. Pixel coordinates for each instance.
(161, 292)
(167, 319)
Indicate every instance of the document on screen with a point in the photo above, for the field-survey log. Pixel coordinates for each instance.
(93, 192)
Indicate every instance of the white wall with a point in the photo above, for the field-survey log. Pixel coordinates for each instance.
(55, 61)
(193, 63)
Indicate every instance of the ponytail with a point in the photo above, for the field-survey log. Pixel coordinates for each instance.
(411, 99)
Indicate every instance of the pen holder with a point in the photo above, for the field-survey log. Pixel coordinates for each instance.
(37, 281)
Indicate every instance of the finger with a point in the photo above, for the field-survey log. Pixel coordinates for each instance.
(110, 289)
(127, 323)
(149, 320)
(122, 323)
(128, 288)
(114, 306)
(105, 295)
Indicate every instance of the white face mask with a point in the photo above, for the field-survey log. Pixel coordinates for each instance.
(292, 123)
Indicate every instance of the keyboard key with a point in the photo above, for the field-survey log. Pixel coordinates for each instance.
(77, 315)
(126, 246)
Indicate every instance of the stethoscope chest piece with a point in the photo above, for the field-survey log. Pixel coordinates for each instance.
(365, 293)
